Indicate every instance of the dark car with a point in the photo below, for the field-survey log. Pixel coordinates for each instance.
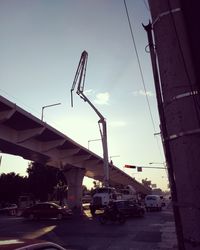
(10, 209)
(46, 210)
(129, 208)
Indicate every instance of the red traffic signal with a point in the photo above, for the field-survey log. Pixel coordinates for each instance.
(129, 166)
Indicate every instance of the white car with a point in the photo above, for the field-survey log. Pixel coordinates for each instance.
(153, 202)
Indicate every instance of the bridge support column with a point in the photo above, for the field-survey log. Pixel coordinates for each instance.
(74, 177)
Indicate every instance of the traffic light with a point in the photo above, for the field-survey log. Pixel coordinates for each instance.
(139, 169)
(129, 166)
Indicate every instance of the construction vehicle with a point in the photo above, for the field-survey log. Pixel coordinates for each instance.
(102, 197)
(128, 193)
(79, 80)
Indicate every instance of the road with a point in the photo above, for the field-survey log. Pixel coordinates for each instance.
(154, 231)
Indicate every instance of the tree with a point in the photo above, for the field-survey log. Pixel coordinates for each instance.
(41, 180)
(146, 183)
(11, 187)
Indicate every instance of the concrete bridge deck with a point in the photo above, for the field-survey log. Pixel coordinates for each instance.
(25, 135)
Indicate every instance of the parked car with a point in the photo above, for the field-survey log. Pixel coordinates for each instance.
(112, 214)
(129, 208)
(10, 209)
(46, 210)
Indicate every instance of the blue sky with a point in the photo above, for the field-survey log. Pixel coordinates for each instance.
(41, 43)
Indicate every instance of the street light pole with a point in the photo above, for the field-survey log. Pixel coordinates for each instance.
(112, 156)
(47, 106)
(92, 140)
(159, 163)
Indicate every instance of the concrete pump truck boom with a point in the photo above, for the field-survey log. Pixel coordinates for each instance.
(79, 81)
(102, 196)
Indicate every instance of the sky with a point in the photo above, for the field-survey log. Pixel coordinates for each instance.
(40, 46)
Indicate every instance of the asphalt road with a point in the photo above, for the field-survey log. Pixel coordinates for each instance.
(154, 231)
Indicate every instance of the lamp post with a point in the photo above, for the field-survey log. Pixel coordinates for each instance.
(161, 163)
(165, 167)
(112, 156)
(158, 163)
(47, 106)
(91, 141)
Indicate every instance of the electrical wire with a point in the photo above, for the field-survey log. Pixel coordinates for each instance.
(146, 5)
(139, 64)
(141, 73)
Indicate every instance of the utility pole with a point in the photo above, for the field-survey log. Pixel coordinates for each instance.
(180, 117)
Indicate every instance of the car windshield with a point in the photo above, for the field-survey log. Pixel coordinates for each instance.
(125, 191)
(121, 204)
(46, 205)
(151, 198)
(105, 190)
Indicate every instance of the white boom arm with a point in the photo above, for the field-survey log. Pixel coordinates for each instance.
(80, 78)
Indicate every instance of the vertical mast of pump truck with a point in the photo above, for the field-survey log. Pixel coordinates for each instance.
(79, 80)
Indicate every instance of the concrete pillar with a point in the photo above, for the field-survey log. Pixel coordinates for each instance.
(74, 177)
(181, 104)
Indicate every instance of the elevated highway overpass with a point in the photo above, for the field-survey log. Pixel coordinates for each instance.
(25, 135)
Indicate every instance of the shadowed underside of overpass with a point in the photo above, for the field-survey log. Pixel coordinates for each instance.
(24, 135)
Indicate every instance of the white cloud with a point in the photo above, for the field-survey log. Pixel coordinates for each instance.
(89, 91)
(102, 98)
(142, 93)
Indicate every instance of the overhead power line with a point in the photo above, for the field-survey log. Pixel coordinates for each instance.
(146, 5)
(139, 64)
(141, 73)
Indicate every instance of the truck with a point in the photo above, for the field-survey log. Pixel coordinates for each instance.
(102, 196)
(128, 193)
(153, 202)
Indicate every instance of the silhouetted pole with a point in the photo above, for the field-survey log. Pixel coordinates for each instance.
(164, 134)
(181, 108)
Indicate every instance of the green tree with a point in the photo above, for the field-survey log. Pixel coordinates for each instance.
(11, 187)
(41, 180)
